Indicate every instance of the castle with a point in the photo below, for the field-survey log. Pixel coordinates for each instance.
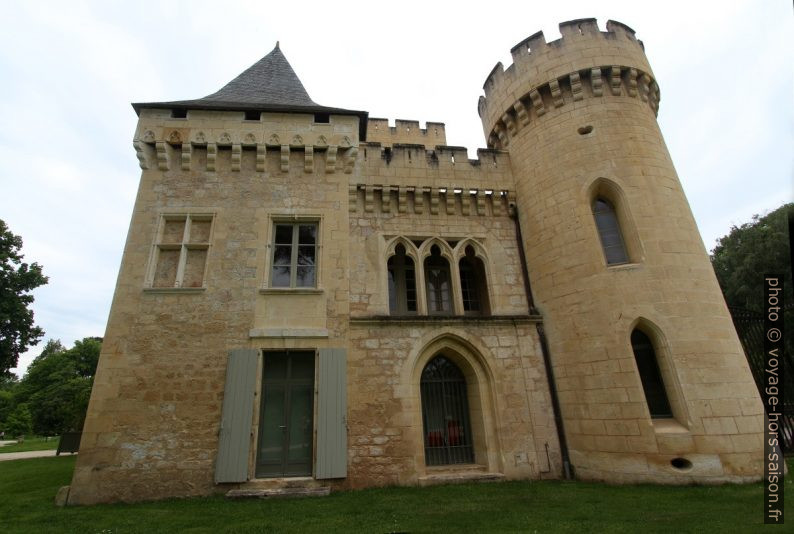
(312, 298)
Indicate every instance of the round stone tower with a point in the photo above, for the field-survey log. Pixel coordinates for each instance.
(652, 381)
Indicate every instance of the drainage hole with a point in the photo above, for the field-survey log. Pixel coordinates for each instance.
(681, 464)
(584, 130)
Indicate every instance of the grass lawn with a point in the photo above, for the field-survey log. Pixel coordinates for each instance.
(32, 444)
(28, 488)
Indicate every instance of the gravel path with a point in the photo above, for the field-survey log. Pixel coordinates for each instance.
(23, 455)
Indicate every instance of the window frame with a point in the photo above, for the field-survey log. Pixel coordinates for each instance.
(612, 214)
(295, 222)
(650, 375)
(401, 283)
(451, 296)
(184, 245)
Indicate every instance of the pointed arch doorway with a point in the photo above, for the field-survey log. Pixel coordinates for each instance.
(445, 414)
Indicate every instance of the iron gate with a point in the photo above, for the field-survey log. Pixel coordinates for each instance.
(750, 327)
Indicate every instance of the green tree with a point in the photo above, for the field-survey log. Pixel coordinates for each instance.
(19, 422)
(741, 259)
(749, 251)
(58, 384)
(17, 279)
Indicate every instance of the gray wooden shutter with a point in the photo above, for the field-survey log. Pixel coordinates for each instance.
(332, 414)
(234, 439)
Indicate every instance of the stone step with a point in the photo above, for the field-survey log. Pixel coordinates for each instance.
(460, 478)
(280, 483)
(278, 492)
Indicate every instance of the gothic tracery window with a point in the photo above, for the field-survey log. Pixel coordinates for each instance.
(402, 283)
(438, 282)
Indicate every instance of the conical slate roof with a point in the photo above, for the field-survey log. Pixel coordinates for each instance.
(270, 84)
(269, 81)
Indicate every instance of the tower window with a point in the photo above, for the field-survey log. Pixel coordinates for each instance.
(651, 378)
(179, 114)
(322, 118)
(253, 115)
(609, 231)
(402, 283)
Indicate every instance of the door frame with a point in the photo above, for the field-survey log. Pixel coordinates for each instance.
(255, 428)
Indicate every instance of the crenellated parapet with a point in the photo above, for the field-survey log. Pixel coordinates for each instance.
(584, 63)
(413, 179)
(169, 143)
(405, 132)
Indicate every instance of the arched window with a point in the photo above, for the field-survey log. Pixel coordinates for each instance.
(651, 378)
(473, 284)
(438, 282)
(402, 283)
(445, 414)
(609, 230)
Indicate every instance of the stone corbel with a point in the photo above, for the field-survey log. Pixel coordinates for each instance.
(576, 86)
(433, 199)
(308, 159)
(187, 154)
(510, 123)
(350, 159)
(369, 200)
(261, 156)
(449, 201)
(521, 111)
(385, 199)
(162, 155)
(615, 80)
(537, 102)
(140, 153)
(480, 197)
(237, 154)
(284, 158)
(632, 82)
(596, 81)
(419, 201)
(496, 203)
(465, 201)
(556, 93)
(402, 199)
(642, 84)
(502, 134)
(352, 198)
(330, 159)
(212, 155)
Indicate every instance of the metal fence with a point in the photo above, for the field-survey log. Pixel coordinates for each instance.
(750, 327)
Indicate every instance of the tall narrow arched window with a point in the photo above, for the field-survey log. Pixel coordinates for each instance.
(473, 286)
(445, 414)
(651, 378)
(438, 282)
(402, 283)
(609, 231)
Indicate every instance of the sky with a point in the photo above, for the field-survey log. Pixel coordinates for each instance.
(69, 71)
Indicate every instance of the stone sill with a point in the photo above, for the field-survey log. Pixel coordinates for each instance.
(288, 333)
(291, 291)
(445, 319)
(625, 267)
(668, 426)
(175, 290)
